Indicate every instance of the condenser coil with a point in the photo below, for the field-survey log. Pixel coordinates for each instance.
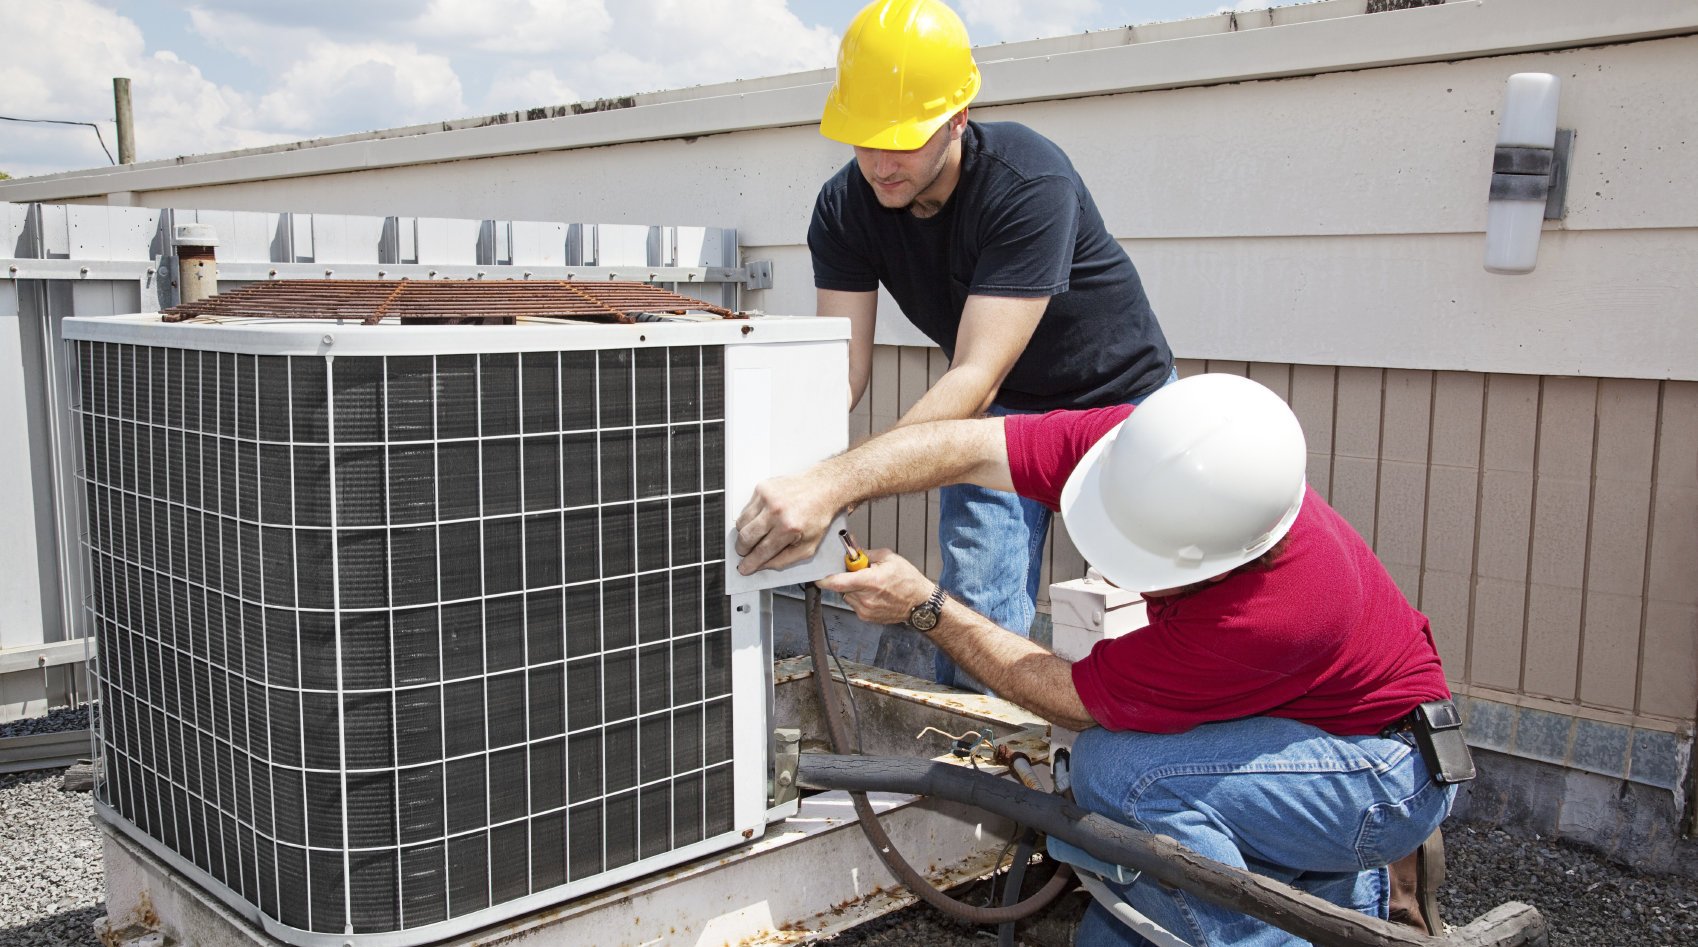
(408, 629)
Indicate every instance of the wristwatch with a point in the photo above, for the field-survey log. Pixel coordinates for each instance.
(923, 617)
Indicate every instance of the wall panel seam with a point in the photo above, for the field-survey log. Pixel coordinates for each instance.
(1532, 533)
(1474, 553)
(1650, 545)
(1332, 432)
(1379, 464)
(1427, 489)
(1586, 550)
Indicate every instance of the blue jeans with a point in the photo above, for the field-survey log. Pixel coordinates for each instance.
(989, 541)
(1320, 812)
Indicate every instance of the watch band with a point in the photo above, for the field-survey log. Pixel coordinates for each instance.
(924, 616)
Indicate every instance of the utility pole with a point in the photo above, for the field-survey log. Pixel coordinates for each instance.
(126, 122)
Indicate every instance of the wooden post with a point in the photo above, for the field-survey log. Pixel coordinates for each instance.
(126, 121)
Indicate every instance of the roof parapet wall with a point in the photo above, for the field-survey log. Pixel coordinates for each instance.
(1306, 39)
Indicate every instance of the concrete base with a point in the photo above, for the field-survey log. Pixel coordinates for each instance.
(1632, 823)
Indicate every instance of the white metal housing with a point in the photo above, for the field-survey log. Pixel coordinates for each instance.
(406, 630)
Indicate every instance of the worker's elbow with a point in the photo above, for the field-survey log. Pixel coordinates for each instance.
(1077, 723)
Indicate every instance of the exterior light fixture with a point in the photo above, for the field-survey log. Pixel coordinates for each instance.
(1529, 173)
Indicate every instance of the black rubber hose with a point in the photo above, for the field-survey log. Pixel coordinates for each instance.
(1161, 858)
(915, 882)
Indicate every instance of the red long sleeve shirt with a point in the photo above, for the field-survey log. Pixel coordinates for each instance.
(1322, 635)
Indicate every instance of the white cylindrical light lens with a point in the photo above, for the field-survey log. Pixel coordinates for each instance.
(1528, 120)
(1512, 235)
(1530, 111)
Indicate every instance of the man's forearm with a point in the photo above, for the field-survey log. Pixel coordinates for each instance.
(1016, 668)
(918, 457)
(963, 392)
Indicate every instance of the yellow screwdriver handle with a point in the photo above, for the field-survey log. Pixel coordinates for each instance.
(854, 559)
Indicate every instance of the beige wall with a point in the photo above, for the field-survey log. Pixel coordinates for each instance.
(1548, 525)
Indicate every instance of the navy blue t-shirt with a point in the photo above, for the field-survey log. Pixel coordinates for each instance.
(1019, 223)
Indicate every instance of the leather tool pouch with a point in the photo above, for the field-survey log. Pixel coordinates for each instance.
(1437, 727)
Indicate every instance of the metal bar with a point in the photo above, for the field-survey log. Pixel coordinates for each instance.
(130, 270)
(237, 271)
(51, 654)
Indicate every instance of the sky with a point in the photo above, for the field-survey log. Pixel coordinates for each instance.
(215, 75)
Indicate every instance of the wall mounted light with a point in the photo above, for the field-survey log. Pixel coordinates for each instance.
(1529, 173)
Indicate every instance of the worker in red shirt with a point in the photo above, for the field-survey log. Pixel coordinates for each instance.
(1280, 711)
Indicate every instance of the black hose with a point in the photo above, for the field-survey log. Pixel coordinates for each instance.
(915, 882)
(1161, 858)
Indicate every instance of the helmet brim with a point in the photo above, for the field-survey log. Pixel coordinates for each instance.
(839, 124)
(1085, 511)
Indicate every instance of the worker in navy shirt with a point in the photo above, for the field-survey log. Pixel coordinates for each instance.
(990, 243)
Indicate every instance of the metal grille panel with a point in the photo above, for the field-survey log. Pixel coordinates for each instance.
(386, 641)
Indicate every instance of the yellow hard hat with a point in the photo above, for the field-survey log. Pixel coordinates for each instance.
(904, 68)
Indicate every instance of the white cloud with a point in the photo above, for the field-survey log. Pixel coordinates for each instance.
(315, 84)
(342, 87)
(667, 44)
(516, 27)
(1013, 20)
(513, 89)
(313, 68)
(60, 62)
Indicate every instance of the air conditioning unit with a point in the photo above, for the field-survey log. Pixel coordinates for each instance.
(408, 629)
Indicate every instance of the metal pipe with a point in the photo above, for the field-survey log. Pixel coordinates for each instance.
(126, 121)
(197, 264)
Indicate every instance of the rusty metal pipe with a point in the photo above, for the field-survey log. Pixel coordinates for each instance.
(197, 263)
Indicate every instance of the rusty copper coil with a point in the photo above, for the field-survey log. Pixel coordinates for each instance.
(439, 302)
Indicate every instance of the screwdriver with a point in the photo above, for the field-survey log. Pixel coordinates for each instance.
(854, 559)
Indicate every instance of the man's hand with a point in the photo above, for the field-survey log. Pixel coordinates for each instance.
(884, 592)
(783, 522)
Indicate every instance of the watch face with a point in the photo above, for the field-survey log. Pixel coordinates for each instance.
(923, 618)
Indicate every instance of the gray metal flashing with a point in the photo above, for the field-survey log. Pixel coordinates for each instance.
(45, 750)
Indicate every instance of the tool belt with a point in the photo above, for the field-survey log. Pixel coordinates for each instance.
(1437, 729)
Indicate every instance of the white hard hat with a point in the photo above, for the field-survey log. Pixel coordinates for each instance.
(1205, 476)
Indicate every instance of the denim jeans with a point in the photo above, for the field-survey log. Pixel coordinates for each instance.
(989, 541)
(1320, 812)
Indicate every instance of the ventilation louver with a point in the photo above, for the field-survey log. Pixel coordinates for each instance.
(405, 630)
